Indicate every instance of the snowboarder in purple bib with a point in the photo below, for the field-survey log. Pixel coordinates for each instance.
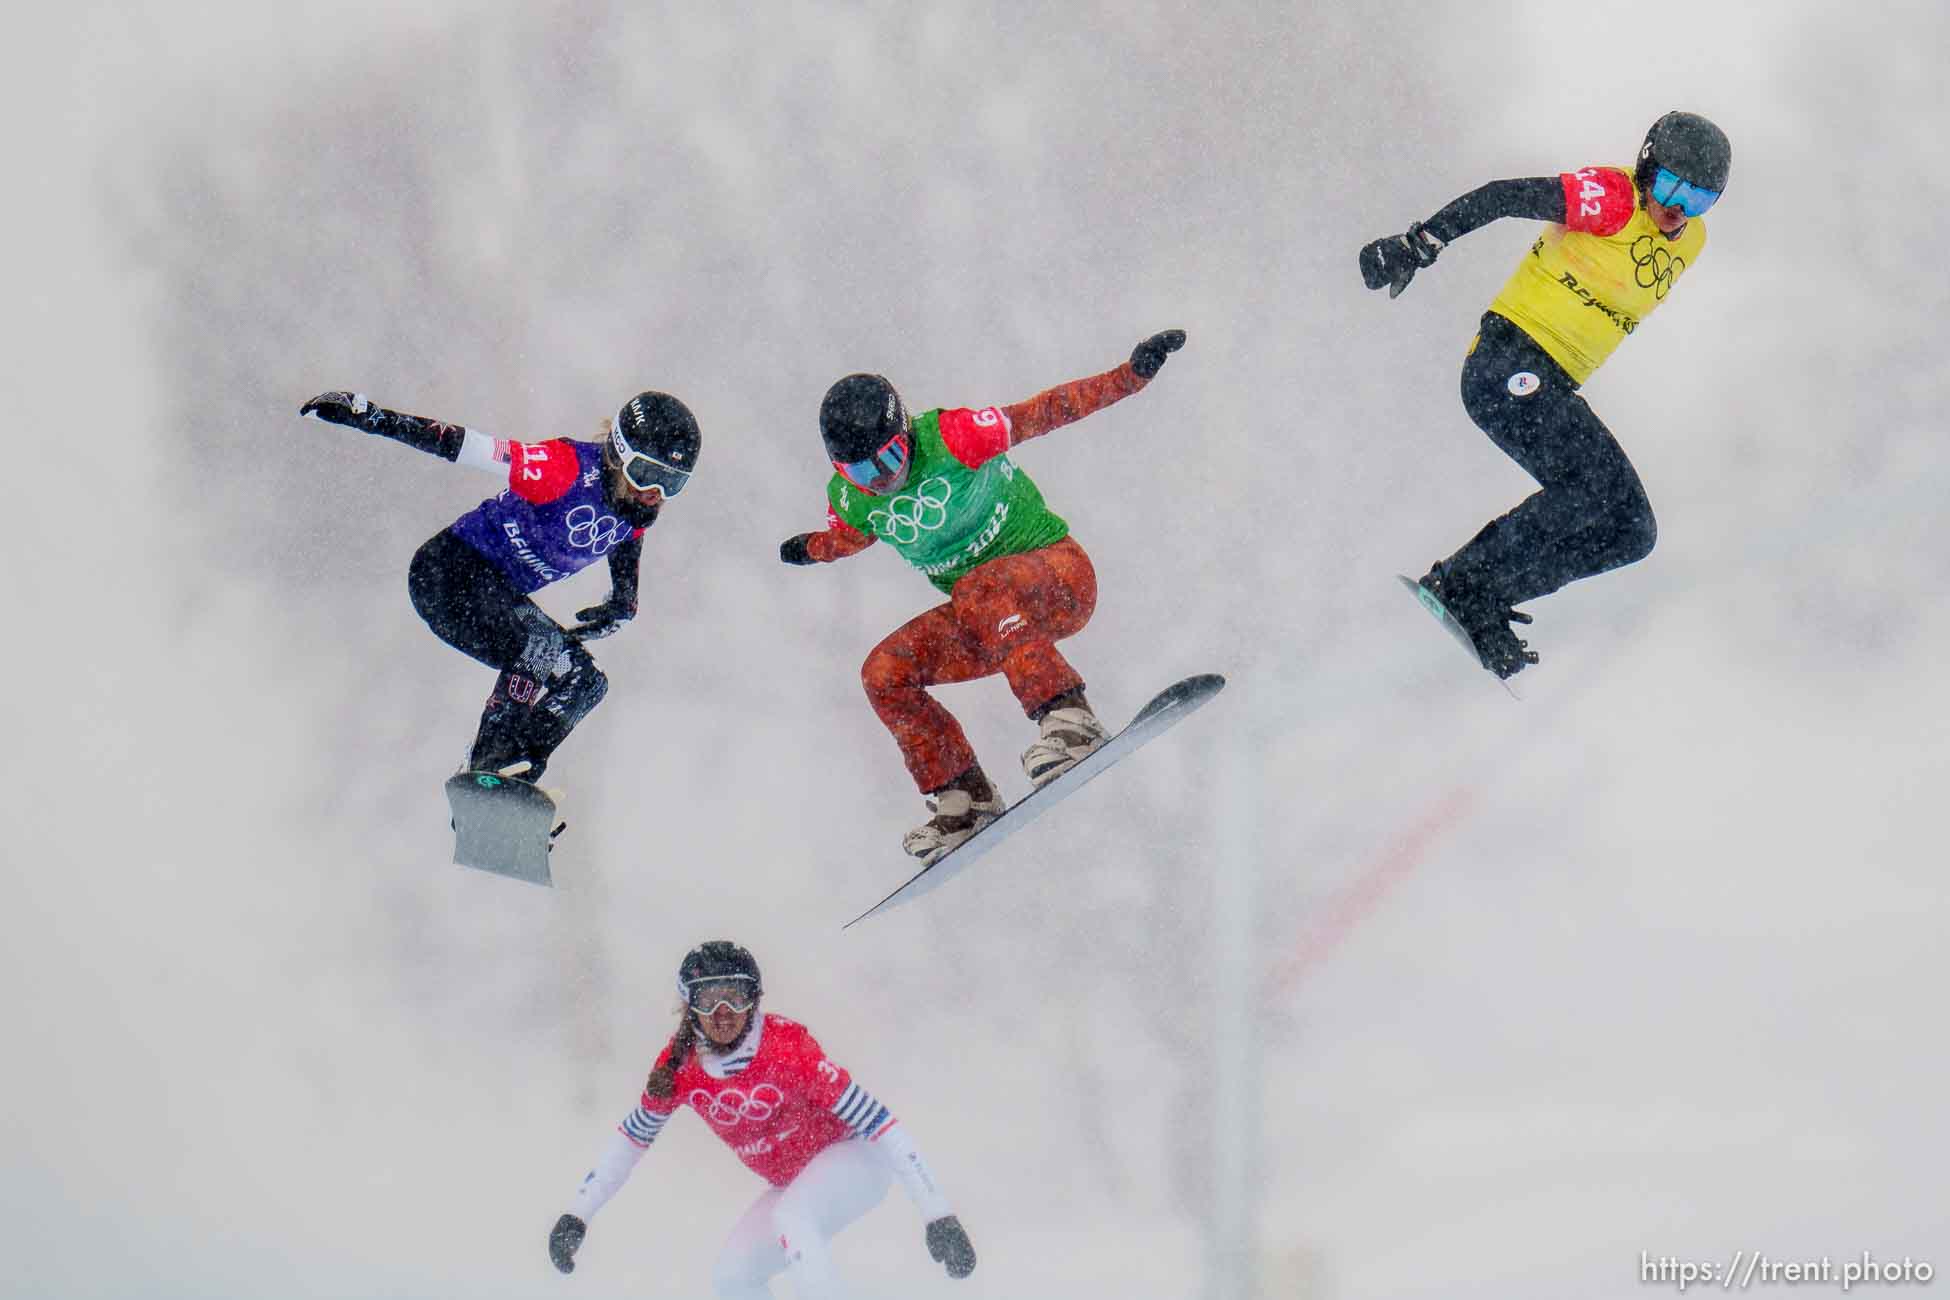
(567, 504)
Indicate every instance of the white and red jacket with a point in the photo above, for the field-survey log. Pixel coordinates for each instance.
(777, 1102)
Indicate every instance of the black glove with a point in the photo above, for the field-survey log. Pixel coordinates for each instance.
(946, 1240)
(1394, 260)
(1148, 356)
(356, 411)
(338, 408)
(599, 621)
(564, 1239)
(793, 550)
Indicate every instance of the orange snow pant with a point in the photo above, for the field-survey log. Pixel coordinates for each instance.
(1002, 617)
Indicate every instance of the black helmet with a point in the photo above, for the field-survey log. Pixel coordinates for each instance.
(719, 959)
(1688, 146)
(858, 416)
(655, 440)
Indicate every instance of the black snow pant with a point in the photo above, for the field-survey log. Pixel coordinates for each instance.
(473, 607)
(1590, 514)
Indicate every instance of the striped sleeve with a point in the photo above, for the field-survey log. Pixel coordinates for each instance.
(641, 1126)
(861, 1113)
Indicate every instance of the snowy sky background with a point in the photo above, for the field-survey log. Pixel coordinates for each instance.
(1651, 961)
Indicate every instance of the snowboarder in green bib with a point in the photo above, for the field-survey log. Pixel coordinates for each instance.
(941, 490)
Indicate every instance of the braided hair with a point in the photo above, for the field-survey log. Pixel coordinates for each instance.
(663, 1080)
(718, 958)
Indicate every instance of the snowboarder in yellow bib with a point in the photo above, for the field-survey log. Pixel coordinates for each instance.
(1619, 240)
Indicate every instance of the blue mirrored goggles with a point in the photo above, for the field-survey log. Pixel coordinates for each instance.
(1675, 192)
(645, 472)
(882, 468)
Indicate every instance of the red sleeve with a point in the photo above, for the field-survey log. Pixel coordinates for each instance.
(1055, 407)
(822, 1080)
(840, 540)
(975, 437)
(1598, 200)
(540, 472)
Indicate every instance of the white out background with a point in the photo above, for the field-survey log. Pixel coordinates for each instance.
(1651, 961)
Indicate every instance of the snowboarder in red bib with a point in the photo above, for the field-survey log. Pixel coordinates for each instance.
(940, 488)
(568, 503)
(797, 1119)
(1620, 239)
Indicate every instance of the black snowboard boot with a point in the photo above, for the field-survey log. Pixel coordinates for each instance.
(1485, 617)
(498, 744)
(576, 687)
(1502, 651)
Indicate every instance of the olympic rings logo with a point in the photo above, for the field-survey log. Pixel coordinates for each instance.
(727, 1108)
(595, 532)
(907, 517)
(1656, 268)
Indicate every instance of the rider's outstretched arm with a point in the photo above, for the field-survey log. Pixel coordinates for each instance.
(1066, 403)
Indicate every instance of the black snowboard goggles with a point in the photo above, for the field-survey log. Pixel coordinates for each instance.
(706, 995)
(644, 471)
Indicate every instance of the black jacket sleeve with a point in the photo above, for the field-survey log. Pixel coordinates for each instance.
(431, 436)
(625, 560)
(1540, 198)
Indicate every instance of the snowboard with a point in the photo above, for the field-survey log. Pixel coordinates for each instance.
(1170, 707)
(503, 825)
(1430, 602)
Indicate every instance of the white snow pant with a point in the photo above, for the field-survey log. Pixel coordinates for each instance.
(787, 1228)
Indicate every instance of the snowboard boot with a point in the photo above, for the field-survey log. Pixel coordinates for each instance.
(575, 689)
(1071, 733)
(1502, 651)
(498, 745)
(962, 807)
(1442, 582)
(1485, 617)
